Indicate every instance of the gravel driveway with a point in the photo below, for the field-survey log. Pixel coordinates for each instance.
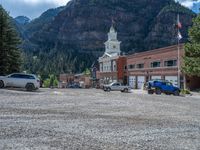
(93, 119)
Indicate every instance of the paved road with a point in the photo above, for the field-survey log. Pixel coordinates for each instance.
(93, 119)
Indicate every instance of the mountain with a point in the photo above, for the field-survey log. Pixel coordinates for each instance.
(73, 37)
(22, 20)
(196, 7)
(19, 23)
(36, 25)
(44, 19)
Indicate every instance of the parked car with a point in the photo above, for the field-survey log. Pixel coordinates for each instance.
(162, 86)
(116, 86)
(74, 86)
(20, 80)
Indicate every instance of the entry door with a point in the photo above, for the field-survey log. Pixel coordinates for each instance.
(172, 79)
(140, 82)
(132, 81)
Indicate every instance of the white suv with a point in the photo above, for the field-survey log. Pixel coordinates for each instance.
(20, 80)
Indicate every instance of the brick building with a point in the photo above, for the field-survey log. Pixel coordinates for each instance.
(65, 79)
(158, 64)
(118, 73)
(138, 68)
(69, 79)
(154, 64)
(83, 79)
(112, 64)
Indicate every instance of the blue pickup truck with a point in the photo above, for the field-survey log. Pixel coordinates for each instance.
(162, 86)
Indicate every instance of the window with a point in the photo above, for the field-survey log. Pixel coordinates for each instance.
(169, 84)
(155, 64)
(131, 66)
(170, 63)
(116, 84)
(101, 67)
(125, 67)
(114, 68)
(28, 77)
(140, 66)
(15, 76)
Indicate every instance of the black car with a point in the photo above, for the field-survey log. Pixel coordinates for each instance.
(74, 86)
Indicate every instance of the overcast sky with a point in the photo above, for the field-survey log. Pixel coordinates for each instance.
(34, 8)
(188, 3)
(30, 8)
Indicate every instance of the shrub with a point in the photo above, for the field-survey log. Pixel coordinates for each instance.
(52, 81)
(47, 83)
(185, 91)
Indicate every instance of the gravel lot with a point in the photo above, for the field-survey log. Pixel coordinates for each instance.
(93, 119)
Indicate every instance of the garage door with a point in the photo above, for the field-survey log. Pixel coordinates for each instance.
(140, 82)
(172, 79)
(156, 77)
(132, 81)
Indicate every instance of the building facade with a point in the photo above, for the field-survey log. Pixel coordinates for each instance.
(65, 79)
(83, 80)
(69, 79)
(155, 64)
(112, 64)
(137, 69)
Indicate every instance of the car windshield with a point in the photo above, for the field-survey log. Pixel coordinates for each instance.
(8, 75)
(169, 83)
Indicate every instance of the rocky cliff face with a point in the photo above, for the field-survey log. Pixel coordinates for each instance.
(81, 27)
(163, 31)
(83, 24)
(22, 20)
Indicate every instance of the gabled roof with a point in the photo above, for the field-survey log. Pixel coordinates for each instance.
(106, 55)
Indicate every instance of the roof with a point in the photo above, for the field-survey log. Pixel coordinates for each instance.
(78, 75)
(156, 51)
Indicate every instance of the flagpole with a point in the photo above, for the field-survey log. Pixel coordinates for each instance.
(178, 44)
(179, 82)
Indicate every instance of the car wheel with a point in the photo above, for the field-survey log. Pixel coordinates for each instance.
(158, 92)
(108, 89)
(176, 93)
(1, 84)
(30, 87)
(126, 90)
(150, 92)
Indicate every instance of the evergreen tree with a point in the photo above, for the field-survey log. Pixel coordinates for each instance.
(4, 65)
(10, 56)
(192, 50)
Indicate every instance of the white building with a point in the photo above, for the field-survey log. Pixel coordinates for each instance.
(108, 62)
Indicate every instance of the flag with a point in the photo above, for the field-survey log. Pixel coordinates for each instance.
(178, 24)
(179, 36)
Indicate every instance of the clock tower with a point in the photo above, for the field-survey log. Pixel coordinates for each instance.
(112, 45)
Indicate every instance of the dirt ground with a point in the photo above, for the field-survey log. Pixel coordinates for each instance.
(92, 119)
